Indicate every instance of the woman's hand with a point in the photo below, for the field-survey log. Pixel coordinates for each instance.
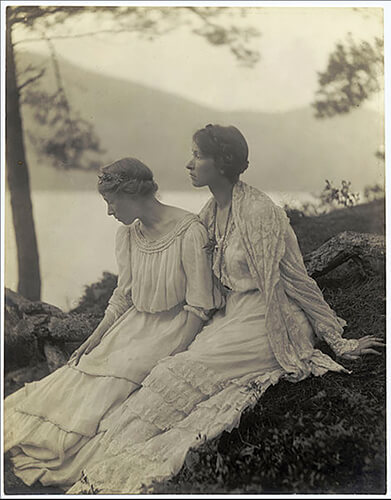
(85, 348)
(366, 346)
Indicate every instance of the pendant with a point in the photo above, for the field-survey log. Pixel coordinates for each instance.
(211, 246)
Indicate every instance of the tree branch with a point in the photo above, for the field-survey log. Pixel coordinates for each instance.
(29, 14)
(202, 16)
(56, 67)
(32, 79)
(76, 35)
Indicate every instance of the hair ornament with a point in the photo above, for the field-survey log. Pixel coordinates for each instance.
(112, 178)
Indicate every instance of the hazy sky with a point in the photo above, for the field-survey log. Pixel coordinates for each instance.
(294, 44)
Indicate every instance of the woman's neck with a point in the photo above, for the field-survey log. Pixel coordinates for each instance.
(222, 193)
(153, 213)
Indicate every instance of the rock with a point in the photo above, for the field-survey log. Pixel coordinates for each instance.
(367, 250)
(18, 302)
(20, 344)
(55, 356)
(35, 331)
(72, 327)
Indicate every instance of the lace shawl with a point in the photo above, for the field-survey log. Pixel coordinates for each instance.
(264, 229)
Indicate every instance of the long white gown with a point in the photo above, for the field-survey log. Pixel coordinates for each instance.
(197, 394)
(49, 423)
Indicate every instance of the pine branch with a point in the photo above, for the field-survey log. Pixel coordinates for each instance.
(76, 35)
(32, 79)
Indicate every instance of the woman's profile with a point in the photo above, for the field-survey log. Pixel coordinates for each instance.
(164, 295)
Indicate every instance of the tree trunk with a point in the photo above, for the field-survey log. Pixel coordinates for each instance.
(29, 280)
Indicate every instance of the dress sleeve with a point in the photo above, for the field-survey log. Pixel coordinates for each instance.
(121, 299)
(306, 293)
(202, 295)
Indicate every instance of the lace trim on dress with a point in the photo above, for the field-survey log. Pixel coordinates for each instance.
(198, 311)
(193, 372)
(337, 343)
(166, 418)
(170, 393)
(149, 246)
(141, 464)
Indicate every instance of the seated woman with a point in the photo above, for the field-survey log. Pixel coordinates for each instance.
(264, 333)
(164, 294)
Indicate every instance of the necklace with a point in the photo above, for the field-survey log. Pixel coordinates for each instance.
(223, 238)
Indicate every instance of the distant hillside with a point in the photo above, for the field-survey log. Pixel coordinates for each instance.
(288, 151)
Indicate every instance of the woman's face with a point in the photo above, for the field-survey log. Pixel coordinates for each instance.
(202, 169)
(122, 206)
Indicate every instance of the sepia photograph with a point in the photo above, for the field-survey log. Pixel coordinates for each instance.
(193, 223)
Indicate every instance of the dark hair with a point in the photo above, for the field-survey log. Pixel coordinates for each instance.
(227, 146)
(127, 175)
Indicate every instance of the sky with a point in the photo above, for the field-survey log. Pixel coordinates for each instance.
(295, 44)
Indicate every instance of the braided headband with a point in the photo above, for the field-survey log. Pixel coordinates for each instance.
(111, 178)
(115, 178)
(114, 181)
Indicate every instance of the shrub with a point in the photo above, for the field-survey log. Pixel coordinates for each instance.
(374, 192)
(96, 296)
(343, 196)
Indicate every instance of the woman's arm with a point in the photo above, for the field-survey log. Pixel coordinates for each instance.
(193, 326)
(306, 293)
(120, 300)
(201, 295)
(93, 340)
(276, 263)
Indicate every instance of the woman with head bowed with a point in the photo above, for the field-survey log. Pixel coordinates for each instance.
(164, 295)
(265, 332)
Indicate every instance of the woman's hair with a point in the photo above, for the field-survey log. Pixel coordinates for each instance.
(227, 146)
(127, 175)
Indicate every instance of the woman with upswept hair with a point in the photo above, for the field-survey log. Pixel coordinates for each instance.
(163, 297)
(265, 332)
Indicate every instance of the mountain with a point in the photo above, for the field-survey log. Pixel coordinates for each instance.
(288, 151)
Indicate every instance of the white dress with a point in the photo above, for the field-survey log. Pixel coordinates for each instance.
(194, 395)
(49, 423)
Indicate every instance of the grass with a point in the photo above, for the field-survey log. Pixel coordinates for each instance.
(322, 435)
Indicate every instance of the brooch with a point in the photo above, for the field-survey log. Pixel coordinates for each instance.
(211, 246)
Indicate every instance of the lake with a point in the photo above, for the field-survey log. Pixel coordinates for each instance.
(76, 238)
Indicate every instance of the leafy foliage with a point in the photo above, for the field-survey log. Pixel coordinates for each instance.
(328, 200)
(341, 196)
(374, 192)
(353, 74)
(69, 140)
(96, 296)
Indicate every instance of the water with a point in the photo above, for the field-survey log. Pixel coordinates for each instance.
(76, 238)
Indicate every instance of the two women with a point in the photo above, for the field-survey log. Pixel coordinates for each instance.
(264, 332)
